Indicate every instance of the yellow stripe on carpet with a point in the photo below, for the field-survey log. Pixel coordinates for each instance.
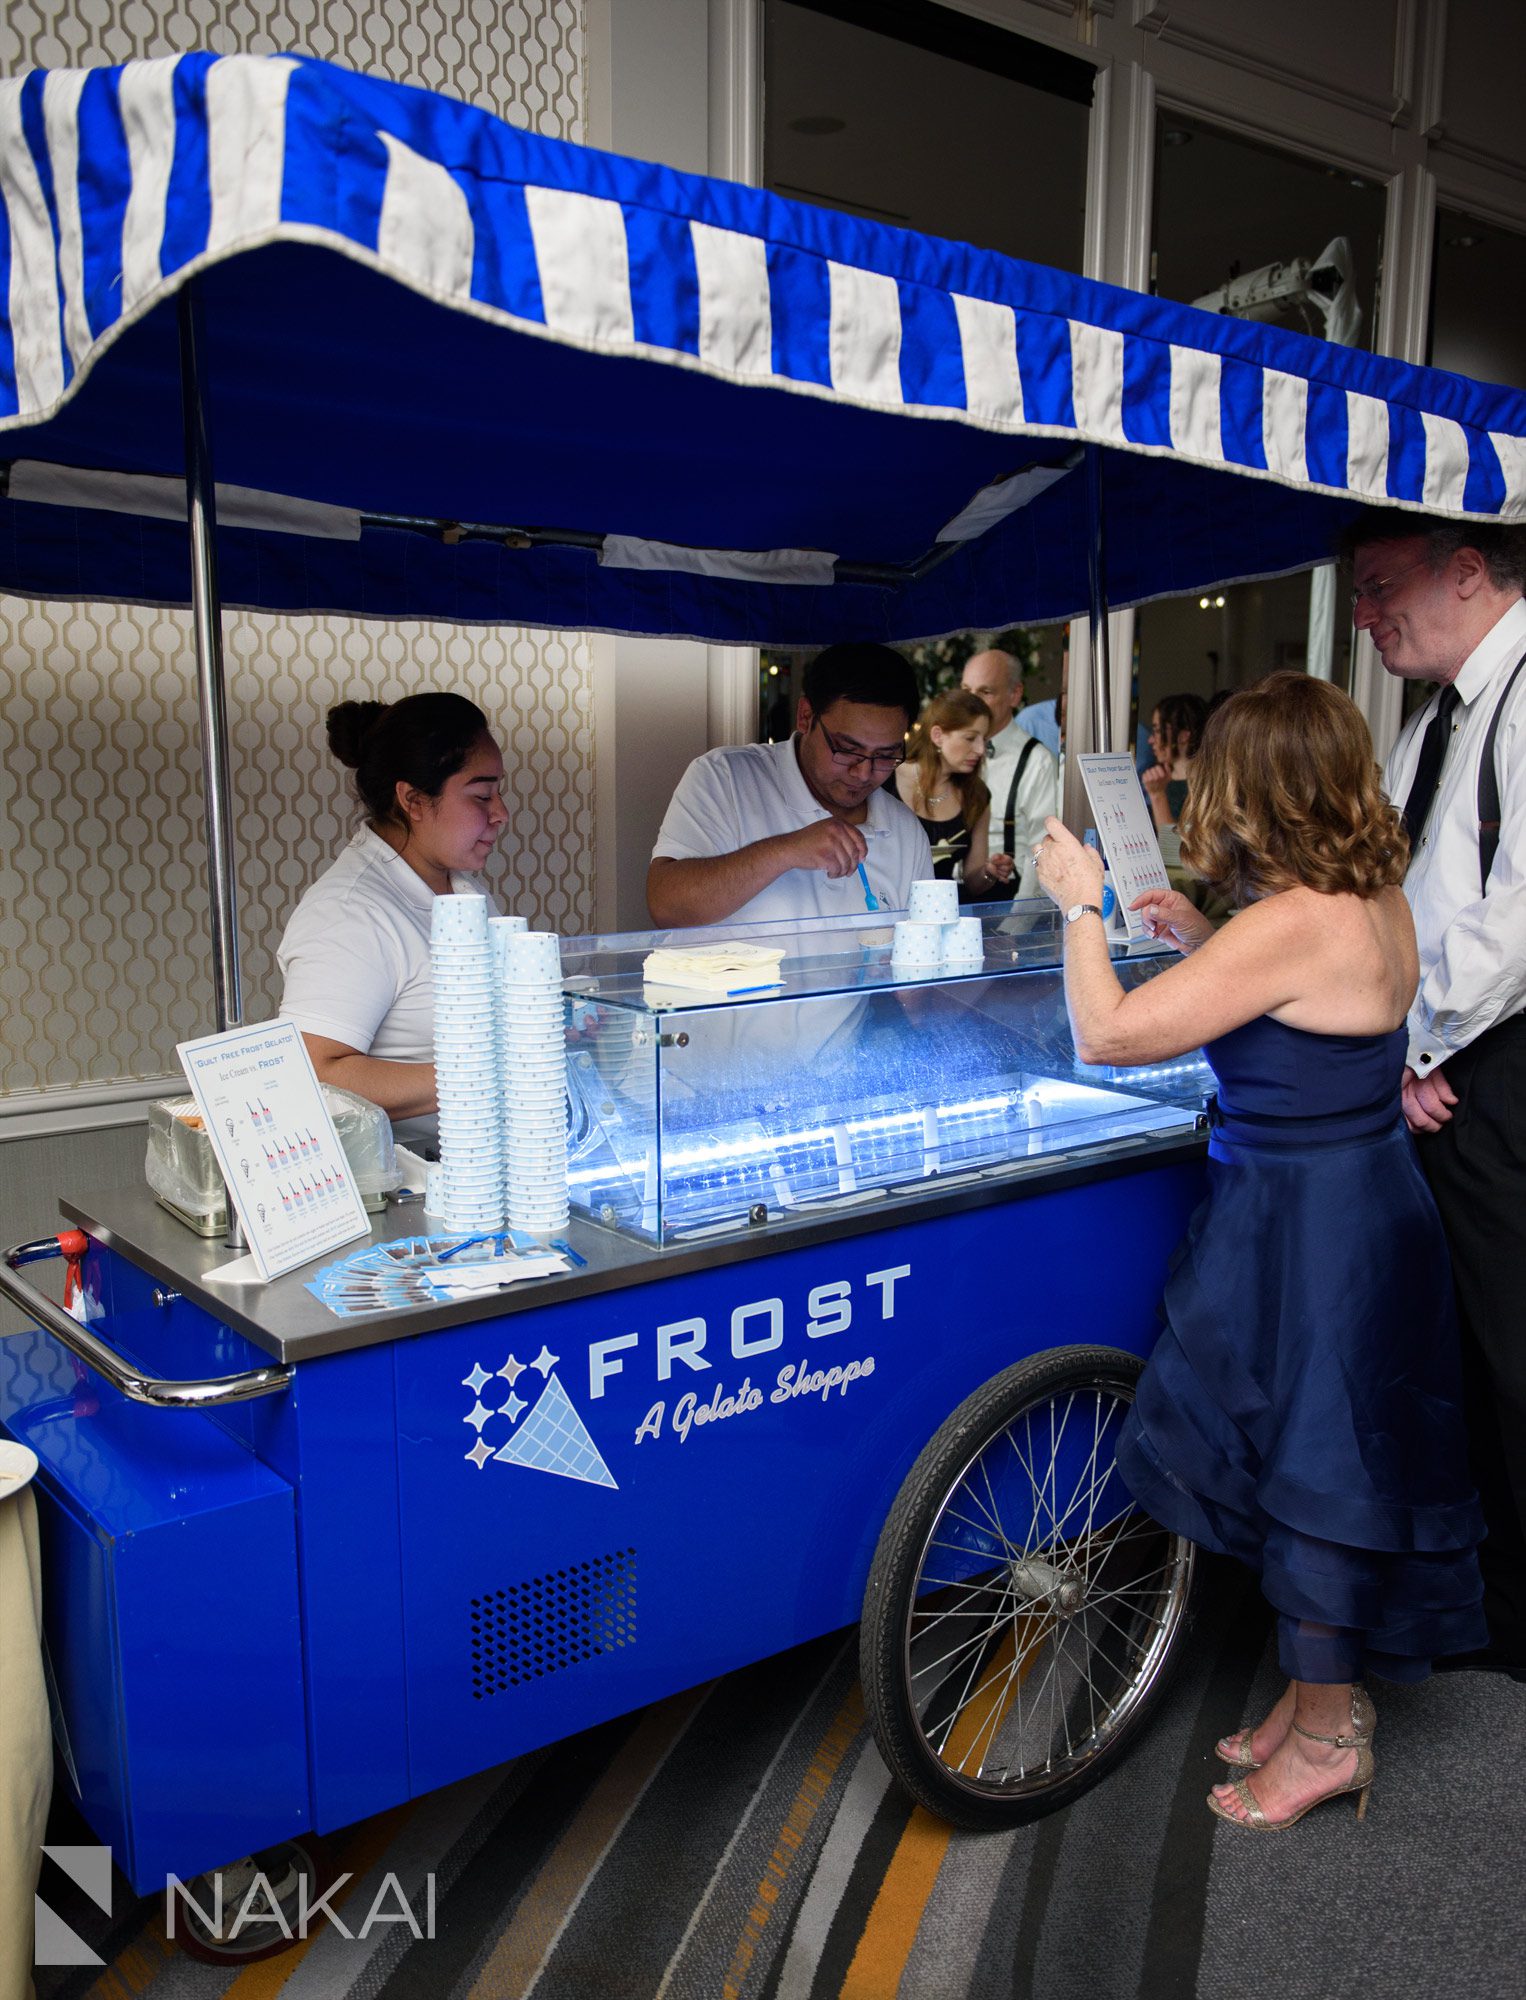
(807, 1802)
(896, 1916)
(520, 1953)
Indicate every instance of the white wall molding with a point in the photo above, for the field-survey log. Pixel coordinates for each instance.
(736, 90)
(1492, 162)
(1120, 176)
(1432, 61)
(1376, 693)
(731, 694)
(1409, 236)
(1247, 57)
(85, 1107)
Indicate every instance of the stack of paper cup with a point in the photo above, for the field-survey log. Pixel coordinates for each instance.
(532, 1050)
(466, 1065)
(934, 902)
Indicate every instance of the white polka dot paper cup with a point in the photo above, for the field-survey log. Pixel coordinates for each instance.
(459, 919)
(965, 942)
(917, 942)
(933, 903)
(533, 957)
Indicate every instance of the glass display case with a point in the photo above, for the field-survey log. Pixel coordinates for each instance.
(692, 1113)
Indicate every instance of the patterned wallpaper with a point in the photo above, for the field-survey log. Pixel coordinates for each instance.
(104, 941)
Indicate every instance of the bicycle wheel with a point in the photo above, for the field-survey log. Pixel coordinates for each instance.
(1022, 1614)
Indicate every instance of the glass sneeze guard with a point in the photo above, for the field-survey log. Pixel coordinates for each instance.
(693, 1114)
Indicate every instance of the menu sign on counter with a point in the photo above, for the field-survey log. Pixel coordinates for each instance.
(1127, 832)
(286, 1171)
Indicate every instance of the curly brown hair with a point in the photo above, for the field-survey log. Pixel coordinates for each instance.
(954, 708)
(1286, 792)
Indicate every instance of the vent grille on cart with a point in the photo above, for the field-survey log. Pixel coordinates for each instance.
(552, 1622)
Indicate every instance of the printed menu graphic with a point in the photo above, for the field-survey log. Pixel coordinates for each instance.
(1127, 833)
(275, 1142)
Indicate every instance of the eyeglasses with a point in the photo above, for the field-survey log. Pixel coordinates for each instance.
(848, 754)
(1378, 592)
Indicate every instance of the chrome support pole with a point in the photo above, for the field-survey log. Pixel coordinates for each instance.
(1096, 552)
(212, 694)
(206, 621)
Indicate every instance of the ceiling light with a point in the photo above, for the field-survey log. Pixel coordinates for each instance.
(1219, 603)
(1202, 604)
(818, 127)
(1463, 242)
(1175, 136)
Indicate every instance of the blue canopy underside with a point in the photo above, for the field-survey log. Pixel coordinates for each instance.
(332, 380)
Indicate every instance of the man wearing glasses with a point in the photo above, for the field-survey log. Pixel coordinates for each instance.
(802, 828)
(1443, 602)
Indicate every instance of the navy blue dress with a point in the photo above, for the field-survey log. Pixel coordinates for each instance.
(1301, 1411)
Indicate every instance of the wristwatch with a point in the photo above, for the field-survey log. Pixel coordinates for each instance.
(1081, 910)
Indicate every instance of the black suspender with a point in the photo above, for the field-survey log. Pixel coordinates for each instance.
(1489, 787)
(1009, 817)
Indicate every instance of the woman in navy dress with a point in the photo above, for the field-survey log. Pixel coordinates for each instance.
(1301, 1410)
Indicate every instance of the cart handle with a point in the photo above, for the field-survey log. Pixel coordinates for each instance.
(206, 1394)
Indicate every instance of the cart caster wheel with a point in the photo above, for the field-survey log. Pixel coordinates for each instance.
(288, 1869)
(1022, 1615)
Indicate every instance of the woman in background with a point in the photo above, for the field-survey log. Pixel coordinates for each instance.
(941, 782)
(355, 954)
(1300, 1410)
(1176, 729)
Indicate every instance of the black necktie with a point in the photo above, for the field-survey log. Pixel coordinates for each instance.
(1428, 770)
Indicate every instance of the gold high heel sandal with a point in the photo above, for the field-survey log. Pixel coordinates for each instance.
(1235, 1750)
(1256, 1821)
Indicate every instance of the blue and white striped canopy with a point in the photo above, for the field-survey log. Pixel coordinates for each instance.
(630, 399)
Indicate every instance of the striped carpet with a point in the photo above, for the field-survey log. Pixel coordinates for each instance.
(742, 1842)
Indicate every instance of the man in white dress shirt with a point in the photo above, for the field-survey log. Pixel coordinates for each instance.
(1443, 602)
(1023, 775)
(804, 828)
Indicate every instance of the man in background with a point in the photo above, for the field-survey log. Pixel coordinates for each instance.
(1443, 602)
(1024, 776)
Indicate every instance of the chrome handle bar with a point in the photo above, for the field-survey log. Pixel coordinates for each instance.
(209, 1393)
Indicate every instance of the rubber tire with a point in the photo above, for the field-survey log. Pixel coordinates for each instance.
(892, 1580)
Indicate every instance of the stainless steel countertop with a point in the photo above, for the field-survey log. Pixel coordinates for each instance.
(285, 1320)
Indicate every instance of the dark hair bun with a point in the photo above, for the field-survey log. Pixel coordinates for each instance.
(348, 723)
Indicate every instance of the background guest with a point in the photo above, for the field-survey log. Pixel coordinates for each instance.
(941, 782)
(1443, 602)
(1021, 769)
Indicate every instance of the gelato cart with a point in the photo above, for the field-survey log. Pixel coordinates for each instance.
(860, 1271)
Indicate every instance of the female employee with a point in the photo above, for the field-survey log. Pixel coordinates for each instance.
(1300, 1410)
(355, 956)
(941, 782)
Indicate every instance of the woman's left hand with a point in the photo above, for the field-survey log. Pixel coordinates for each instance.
(1000, 867)
(1068, 871)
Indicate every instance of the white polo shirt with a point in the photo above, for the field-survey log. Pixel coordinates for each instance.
(730, 798)
(355, 957)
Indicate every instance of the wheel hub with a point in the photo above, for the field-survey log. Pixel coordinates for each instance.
(1062, 1592)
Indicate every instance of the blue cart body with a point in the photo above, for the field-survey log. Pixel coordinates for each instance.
(433, 1553)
